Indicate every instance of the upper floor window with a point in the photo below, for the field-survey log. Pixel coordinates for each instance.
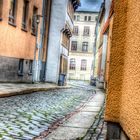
(83, 65)
(12, 11)
(1, 6)
(85, 46)
(34, 24)
(72, 64)
(78, 18)
(75, 30)
(25, 14)
(89, 18)
(85, 18)
(74, 17)
(74, 46)
(86, 31)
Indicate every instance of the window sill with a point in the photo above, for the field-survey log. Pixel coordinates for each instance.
(12, 24)
(24, 29)
(30, 74)
(20, 74)
(33, 34)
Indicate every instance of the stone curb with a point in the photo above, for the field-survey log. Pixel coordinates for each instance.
(30, 90)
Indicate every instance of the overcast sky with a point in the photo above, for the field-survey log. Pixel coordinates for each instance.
(90, 5)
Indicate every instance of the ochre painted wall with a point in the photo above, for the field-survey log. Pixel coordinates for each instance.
(15, 42)
(123, 99)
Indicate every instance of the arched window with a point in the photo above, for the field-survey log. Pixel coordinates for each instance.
(72, 64)
(1, 8)
(83, 65)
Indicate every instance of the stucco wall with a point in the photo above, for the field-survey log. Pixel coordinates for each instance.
(57, 22)
(15, 42)
(123, 100)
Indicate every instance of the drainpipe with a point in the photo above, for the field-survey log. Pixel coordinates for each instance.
(40, 46)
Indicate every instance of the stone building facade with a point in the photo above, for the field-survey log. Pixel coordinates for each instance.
(61, 26)
(82, 43)
(18, 33)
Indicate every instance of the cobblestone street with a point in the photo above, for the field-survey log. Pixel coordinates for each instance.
(24, 117)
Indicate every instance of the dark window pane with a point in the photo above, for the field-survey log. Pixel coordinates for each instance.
(1, 8)
(83, 65)
(25, 14)
(74, 45)
(72, 64)
(34, 24)
(12, 11)
(85, 46)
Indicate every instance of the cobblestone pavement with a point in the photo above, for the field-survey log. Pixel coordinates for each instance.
(26, 116)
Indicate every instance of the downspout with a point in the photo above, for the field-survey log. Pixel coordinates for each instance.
(42, 34)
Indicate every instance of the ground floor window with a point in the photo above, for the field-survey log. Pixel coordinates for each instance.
(83, 65)
(20, 67)
(30, 67)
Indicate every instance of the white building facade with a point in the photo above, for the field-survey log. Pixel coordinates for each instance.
(80, 66)
(61, 26)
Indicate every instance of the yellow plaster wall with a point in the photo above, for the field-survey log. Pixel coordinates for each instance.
(13, 41)
(123, 99)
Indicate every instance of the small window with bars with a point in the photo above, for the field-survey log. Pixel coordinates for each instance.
(74, 46)
(83, 65)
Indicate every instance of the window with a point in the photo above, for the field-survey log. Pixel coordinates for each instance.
(34, 24)
(25, 14)
(89, 18)
(30, 67)
(20, 67)
(78, 18)
(83, 65)
(85, 47)
(86, 31)
(1, 5)
(72, 64)
(75, 30)
(12, 11)
(74, 17)
(74, 46)
(85, 19)
(65, 40)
